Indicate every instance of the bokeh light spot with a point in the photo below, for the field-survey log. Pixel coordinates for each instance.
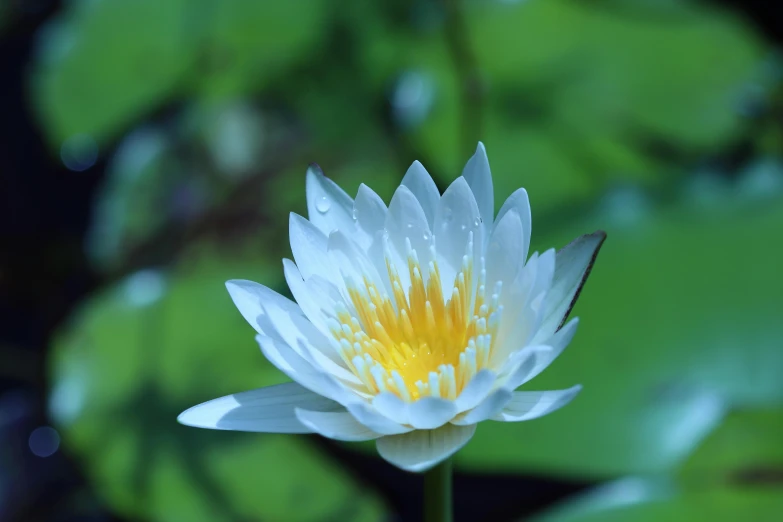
(44, 441)
(79, 152)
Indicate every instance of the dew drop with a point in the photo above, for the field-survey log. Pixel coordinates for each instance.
(463, 227)
(322, 205)
(355, 214)
(476, 222)
(426, 237)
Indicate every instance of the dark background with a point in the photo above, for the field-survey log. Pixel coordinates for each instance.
(233, 119)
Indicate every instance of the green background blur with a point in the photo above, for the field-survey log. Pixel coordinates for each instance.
(657, 121)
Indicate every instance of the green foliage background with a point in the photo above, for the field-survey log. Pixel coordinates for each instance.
(618, 115)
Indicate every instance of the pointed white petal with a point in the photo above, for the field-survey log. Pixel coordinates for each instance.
(392, 407)
(269, 410)
(352, 264)
(420, 450)
(369, 211)
(337, 425)
(328, 206)
(377, 422)
(488, 408)
(308, 245)
(476, 390)
(310, 307)
(302, 370)
(406, 225)
(557, 343)
(431, 412)
(527, 405)
(249, 296)
(478, 176)
(505, 250)
(456, 219)
(572, 267)
(420, 183)
(521, 364)
(309, 336)
(519, 201)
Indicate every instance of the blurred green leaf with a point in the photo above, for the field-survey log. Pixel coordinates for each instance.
(247, 43)
(580, 96)
(677, 327)
(135, 356)
(746, 449)
(102, 65)
(639, 500)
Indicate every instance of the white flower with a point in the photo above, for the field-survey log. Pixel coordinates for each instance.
(413, 323)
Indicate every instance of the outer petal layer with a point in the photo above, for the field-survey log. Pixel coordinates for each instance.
(422, 449)
(338, 425)
(534, 404)
(269, 410)
(572, 267)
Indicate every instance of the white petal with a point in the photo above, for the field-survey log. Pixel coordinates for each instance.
(519, 201)
(392, 407)
(418, 180)
(302, 370)
(370, 214)
(310, 307)
(524, 309)
(456, 219)
(284, 321)
(476, 390)
(338, 425)
(308, 336)
(269, 410)
(431, 412)
(249, 296)
(352, 264)
(505, 250)
(421, 450)
(573, 265)
(527, 405)
(521, 364)
(374, 420)
(544, 276)
(308, 245)
(406, 225)
(478, 175)
(488, 408)
(328, 206)
(557, 343)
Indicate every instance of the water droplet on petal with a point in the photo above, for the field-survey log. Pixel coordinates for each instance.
(426, 237)
(463, 227)
(476, 222)
(322, 205)
(355, 214)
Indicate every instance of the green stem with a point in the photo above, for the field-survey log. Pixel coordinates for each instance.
(437, 493)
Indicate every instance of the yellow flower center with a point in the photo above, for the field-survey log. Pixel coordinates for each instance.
(420, 343)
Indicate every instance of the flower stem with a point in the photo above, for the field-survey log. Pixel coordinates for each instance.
(437, 493)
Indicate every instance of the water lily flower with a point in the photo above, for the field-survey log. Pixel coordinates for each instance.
(412, 323)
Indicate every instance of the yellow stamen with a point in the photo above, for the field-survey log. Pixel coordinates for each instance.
(418, 343)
